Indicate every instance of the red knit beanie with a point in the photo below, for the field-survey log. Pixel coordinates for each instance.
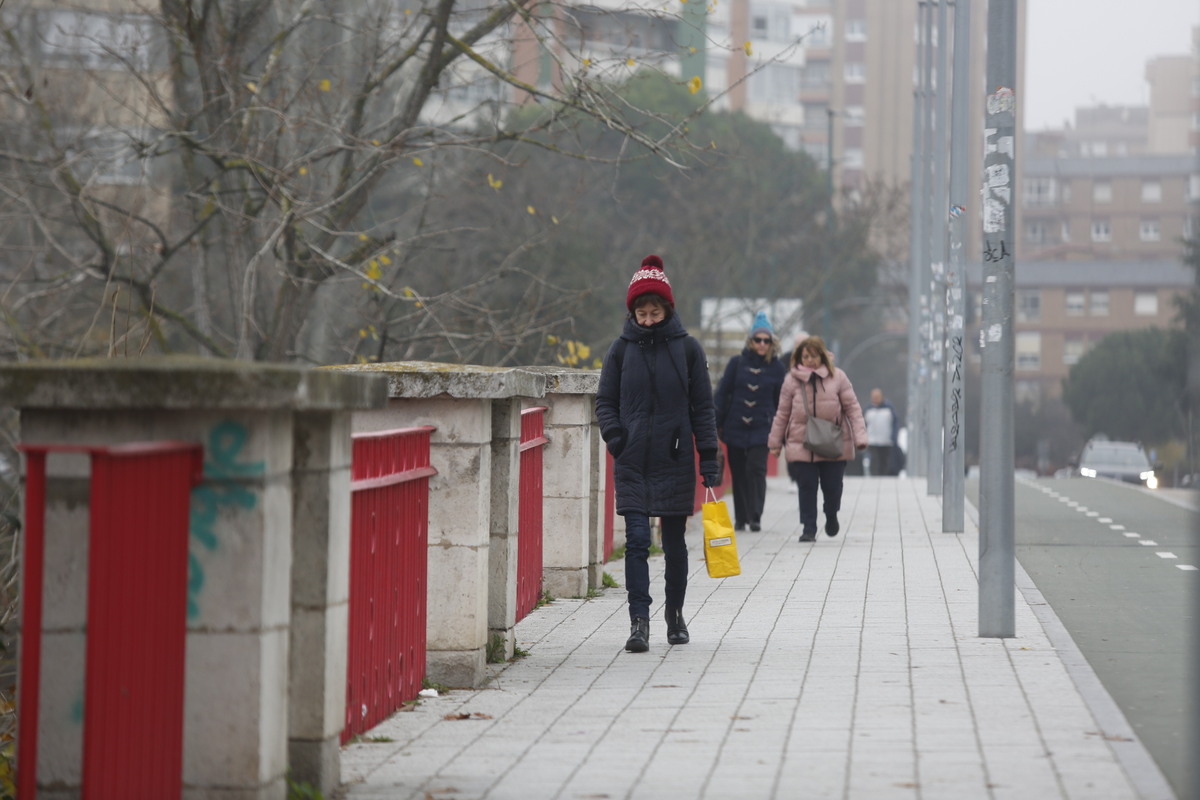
(650, 279)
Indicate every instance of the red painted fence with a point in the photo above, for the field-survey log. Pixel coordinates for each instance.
(529, 513)
(389, 533)
(136, 617)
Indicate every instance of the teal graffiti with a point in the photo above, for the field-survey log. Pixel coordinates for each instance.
(221, 487)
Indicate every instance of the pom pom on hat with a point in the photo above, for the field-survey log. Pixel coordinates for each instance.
(762, 325)
(649, 279)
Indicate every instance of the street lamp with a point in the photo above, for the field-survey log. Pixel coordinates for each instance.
(830, 113)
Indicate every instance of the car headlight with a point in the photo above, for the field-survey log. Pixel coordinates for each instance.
(1147, 475)
(1087, 473)
(1152, 482)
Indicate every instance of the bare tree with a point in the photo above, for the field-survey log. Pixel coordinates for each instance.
(242, 178)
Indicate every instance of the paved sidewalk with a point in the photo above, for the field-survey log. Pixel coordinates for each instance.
(846, 668)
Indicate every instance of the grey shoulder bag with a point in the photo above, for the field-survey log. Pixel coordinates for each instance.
(822, 437)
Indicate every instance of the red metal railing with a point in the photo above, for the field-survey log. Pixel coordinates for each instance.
(136, 617)
(389, 533)
(529, 513)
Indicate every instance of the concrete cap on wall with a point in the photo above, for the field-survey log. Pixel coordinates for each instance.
(432, 379)
(184, 382)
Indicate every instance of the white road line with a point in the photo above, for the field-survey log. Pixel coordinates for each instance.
(1132, 535)
(1188, 567)
(1148, 543)
(1166, 555)
(1105, 520)
(1117, 527)
(1092, 513)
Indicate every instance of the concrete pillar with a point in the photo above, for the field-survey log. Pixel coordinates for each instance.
(572, 520)
(504, 497)
(237, 702)
(318, 643)
(458, 401)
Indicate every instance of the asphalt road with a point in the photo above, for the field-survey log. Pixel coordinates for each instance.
(1120, 566)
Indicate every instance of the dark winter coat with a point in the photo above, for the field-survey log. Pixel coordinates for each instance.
(829, 397)
(747, 397)
(654, 400)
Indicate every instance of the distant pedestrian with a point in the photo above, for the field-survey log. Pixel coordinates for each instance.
(655, 410)
(746, 400)
(883, 430)
(829, 396)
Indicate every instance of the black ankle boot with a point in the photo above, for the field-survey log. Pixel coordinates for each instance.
(831, 524)
(677, 632)
(639, 635)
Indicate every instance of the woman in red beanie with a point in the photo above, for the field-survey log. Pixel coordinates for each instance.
(655, 405)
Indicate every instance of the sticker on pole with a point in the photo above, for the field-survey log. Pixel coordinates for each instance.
(1001, 101)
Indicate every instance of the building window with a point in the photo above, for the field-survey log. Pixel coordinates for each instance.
(770, 22)
(1102, 192)
(1035, 232)
(854, 116)
(1066, 232)
(1075, 304)
(856, 30)
(1101, 231)
(1029, 350)
(1149, 231)
(852, 158)
(1099, 304)
(98, 40)
(1027, 393)
(1039, 191)
(1151, 192)
(1029, 305)
(1193, 187)
(775, 83)
(1145, 304)
(1073, 350)
(856, 72)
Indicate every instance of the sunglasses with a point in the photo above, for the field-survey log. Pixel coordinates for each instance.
(762, 340)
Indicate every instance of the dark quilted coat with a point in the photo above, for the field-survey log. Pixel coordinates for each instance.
(747, 397)
(653, 400)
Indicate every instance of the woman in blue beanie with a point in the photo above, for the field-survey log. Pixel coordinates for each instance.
(746, 400)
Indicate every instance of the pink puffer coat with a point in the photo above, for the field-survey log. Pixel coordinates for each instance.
(835, 400)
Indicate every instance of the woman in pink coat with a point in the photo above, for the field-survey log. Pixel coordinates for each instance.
(830, 396)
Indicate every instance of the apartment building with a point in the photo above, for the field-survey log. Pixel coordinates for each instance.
(1062, 308)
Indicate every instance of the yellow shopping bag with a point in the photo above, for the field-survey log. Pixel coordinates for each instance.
(720, 545)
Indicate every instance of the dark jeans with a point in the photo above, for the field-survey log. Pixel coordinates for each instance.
(809, 476)
(881, 459)
(748, 466)
(637, 571)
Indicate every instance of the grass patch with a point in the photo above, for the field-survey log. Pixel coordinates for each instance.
(519, 653)
(495, 650)
(545, 600)
(609, 582)
(428, 684)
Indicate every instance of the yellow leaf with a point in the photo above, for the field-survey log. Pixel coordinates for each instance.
(362, 237)
(694, 84)
(375, 142)
(692, 50)
(530, 209)
(748, 48)
(408, 292)
(587, 62)
(418, 162)
(493, 182)
(418, 304)
(304, 170)
(325, 85)
(253, 87)
(362, 333)
(554, 219)
(551, 339)
(598, 363)
(374, 272)
(385, 260)
(629, 62)
(584, 351)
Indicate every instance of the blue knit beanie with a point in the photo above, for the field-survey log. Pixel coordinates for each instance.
(762, 325)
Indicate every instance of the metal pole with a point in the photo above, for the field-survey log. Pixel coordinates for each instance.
(826, 323)
(937, 255)
(953, 461)
(917, 244)
(996, 550)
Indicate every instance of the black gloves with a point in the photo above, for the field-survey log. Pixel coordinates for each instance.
(710, 470)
